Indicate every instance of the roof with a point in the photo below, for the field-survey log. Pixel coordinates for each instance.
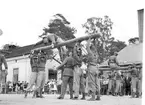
(132, 53)
(20, 51)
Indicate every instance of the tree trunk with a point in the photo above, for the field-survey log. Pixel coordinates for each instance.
(65, 43)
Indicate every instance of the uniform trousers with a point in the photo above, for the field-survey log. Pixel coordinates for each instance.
(65, 81)
(93, 80)
(111, 86)
(134, 84)
(118, 86)
(40, 80)
(78, 81)
(32, 81)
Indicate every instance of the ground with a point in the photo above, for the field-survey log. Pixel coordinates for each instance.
(18, 99)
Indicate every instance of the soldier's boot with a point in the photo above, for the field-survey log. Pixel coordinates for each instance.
(83, 96)
(107, 92)
(34, 94)
(115, 94)
(98, 98)
(71, 96)
(120, 94)
(137, 95)
(133, 95)
(92, 97)
(37, 94)
(41, 93)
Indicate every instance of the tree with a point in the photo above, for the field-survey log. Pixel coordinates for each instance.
(105, 44)
(96, 25)
(60, 26)
(116, 46)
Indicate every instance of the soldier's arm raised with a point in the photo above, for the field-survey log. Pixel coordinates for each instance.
(88, 46)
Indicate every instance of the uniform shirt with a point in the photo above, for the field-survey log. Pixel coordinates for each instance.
(113, 59)
(42, 60)
(34, 62)
(134, 72)
(92, 57)
(118, 76)
(2, 60)
(68, 64)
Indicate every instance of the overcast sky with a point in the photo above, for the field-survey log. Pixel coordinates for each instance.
(23, 20)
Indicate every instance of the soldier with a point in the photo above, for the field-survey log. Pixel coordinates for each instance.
(111, 83)
(93, 71)
(118, 79)
(113, 62)
(2, 76)
(78, 72)
(42, 59)
(128, 84)
(54, 39)
(34, 73)
(140, 83)
(68, 64)
(134, 81)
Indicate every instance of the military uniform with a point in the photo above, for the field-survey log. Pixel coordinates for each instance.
(134, 82)
(40, 82)
(2, 74)
(140, 83)
(34, 73)
(111, 84)
(118, 83)
(113, 62)
(68, 64)
(93, 74)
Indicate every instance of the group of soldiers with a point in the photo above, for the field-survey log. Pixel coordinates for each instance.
(128, 83)
(73, 74)
(133, 77)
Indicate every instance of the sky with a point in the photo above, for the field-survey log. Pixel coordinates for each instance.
(22, 21)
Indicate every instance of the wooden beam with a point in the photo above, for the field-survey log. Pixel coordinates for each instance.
(68, 42)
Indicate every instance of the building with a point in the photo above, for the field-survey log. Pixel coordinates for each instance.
(19, 68)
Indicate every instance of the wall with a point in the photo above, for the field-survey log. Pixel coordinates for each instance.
(23, 63)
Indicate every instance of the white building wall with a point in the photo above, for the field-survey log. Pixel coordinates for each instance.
(23, 63)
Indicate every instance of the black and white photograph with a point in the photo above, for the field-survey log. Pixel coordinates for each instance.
(71, 52)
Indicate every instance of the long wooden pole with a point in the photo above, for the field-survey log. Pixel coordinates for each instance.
(68, 42)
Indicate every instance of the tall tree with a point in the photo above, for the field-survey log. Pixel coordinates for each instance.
(115, 46)
(60, 26)
(96, 25)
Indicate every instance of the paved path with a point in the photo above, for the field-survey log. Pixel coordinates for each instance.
(17, 99)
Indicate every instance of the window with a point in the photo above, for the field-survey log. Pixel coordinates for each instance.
(15, 74)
